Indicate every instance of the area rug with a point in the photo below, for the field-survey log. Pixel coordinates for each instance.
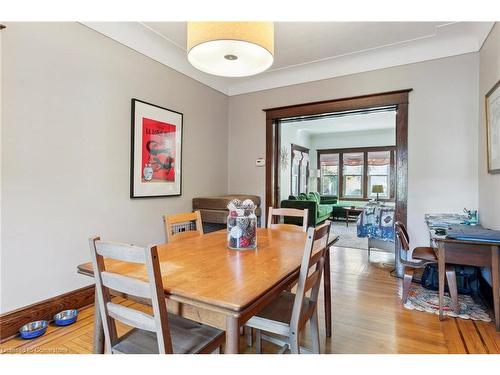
(422, 299)
(348, 236)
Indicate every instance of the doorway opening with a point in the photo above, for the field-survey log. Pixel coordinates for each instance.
(308, 150)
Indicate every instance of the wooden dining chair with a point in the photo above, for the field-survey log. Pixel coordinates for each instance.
(158, 333)
(287, 212)
(183, 225)
(419, 258)
(287, 315)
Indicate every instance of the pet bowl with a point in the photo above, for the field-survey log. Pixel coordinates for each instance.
(65, 317)
(33, 329)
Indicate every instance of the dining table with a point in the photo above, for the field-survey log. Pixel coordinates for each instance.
(207, 282)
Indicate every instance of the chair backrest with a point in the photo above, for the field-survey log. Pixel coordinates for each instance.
(313, 258)
(402, 234)
(178, 226)
(152, 290)
(287, 212)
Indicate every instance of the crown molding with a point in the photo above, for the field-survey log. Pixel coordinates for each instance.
(449, 40)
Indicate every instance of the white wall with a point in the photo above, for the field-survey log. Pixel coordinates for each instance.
(489, 184)
(442, 148)
(66, 152)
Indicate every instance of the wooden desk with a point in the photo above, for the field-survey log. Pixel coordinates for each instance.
(472, 253)
(206, 282)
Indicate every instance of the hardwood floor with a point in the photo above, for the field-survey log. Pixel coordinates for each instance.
(367, 318)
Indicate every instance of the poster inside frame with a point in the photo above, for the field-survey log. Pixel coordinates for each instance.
(156, 155)
(492, 103)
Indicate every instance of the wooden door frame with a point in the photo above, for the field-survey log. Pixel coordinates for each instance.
(397, 99)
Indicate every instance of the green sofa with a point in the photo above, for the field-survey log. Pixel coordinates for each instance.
(320, 207)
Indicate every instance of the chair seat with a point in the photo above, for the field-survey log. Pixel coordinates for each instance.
(424, 253)
(276, 316)
(188, 337)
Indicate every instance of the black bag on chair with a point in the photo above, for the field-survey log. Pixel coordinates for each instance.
(467, 279)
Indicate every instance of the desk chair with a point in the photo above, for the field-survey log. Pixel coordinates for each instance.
(419, 258)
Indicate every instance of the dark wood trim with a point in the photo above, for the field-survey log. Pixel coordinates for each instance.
(337, 105)
(396, 99)
(355, 149)
(10, 322)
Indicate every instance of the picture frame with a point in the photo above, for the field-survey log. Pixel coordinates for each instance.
(156, 151)
(492, 108)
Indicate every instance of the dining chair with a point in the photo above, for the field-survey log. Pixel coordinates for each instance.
(183, 225)
(287, 212)
(419, 258)
(160, 332)
(287, 315)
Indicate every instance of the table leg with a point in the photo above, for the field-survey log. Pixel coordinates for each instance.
(328, 294)
(98, 329)
(346, 218)
(232, 335)
(495, 278)
(441, 271)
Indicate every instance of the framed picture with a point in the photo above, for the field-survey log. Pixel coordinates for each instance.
(156, 155)
(492, 100)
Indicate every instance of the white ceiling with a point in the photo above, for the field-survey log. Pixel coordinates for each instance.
(349, 123)
(309, 51)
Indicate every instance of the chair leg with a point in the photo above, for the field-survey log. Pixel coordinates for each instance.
(248, 331)
(369, 253)
(258, 341)
(314, 332)
(451, 277)
(294, 344)
(407, 278)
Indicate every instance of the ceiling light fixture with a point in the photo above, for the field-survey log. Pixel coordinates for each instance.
(231, 49)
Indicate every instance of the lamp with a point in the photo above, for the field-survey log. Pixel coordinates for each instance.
(379, 189)
(231, 49)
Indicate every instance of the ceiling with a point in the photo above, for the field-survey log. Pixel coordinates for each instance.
(343, 124)
(309, 51)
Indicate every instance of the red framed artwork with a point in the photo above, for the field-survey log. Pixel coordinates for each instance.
(156, 155)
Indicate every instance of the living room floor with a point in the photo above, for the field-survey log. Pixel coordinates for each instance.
(368, 317)
(348, 235)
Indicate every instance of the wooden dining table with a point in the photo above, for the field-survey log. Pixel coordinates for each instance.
(209, 283)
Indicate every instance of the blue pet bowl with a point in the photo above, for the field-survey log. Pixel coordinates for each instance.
(33, 329)
(65, 317)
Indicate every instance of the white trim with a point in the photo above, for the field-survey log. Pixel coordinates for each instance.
(451, 39)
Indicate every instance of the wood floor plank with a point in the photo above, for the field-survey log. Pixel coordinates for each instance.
(453, 338)
(471, 337)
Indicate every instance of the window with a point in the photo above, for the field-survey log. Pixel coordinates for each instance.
(353, 175)
(329, 174)
(379, 169)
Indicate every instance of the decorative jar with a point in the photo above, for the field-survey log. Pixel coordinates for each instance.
(241, 225)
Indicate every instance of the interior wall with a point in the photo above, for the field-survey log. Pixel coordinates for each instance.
(489, 184)
(66, 152)
(442, 147)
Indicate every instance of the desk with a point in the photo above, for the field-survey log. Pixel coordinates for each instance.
(206, 282)
(472, 253)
